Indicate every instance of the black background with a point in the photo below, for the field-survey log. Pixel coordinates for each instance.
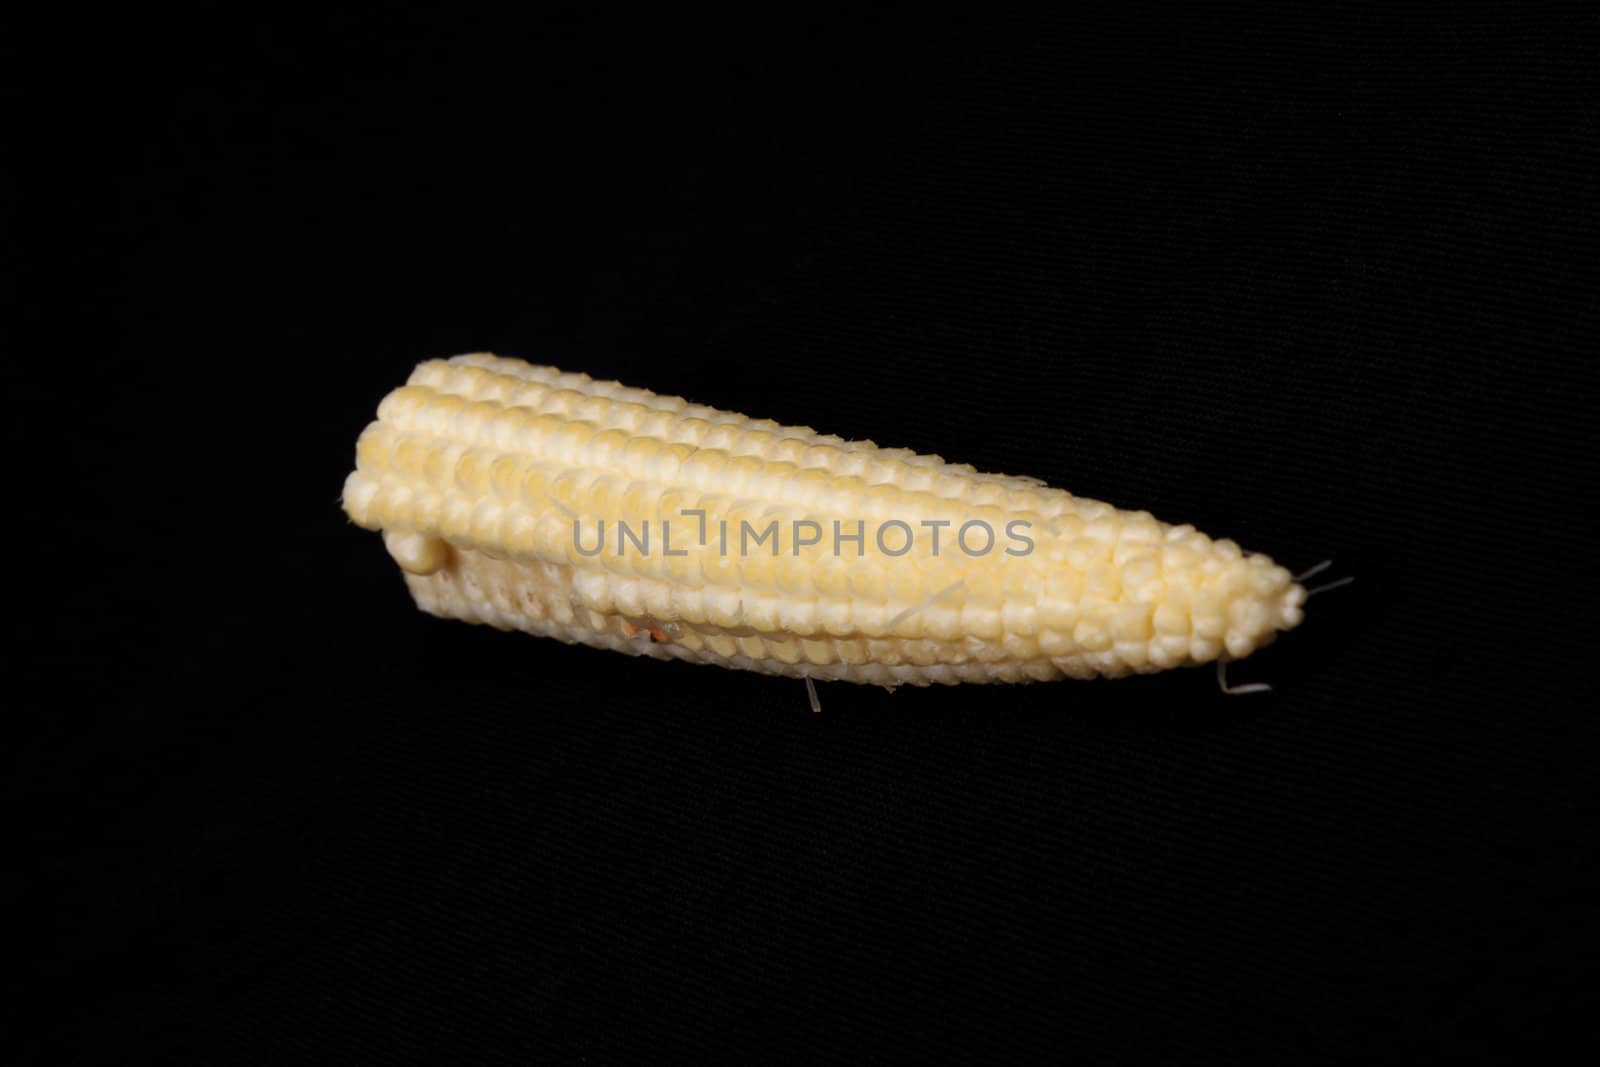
(1314, 282)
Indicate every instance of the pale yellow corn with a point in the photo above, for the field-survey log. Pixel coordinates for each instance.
(491, 481)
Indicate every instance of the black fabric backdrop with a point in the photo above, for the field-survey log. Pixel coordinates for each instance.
(1320, 283)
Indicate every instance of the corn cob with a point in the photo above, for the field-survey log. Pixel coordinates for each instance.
(516, 495)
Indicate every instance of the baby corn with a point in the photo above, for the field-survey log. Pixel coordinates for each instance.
(531, 499)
